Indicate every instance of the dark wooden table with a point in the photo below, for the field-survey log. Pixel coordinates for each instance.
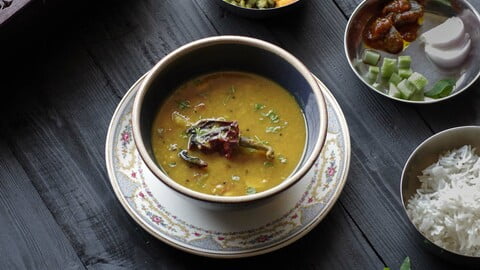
(65, 67)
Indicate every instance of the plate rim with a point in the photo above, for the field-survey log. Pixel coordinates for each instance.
(147, 227)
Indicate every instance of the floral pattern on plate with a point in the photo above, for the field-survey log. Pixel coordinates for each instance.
(316, 193)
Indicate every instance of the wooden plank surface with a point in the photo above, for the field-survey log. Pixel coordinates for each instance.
(79, 67)
(347, 6)
(30, 238)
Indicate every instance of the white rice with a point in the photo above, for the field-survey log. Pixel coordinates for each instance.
(446, 209)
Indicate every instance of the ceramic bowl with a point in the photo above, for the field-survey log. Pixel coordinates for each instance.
(254, 13)
(229, 53)
(436, 12)
(426, 154)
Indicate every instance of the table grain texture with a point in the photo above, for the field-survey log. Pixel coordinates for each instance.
(64, 67)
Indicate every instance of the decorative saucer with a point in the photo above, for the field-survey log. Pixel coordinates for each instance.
(226, 233)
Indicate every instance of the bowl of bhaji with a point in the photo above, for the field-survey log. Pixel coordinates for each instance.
(415, 51)
(229, 121)
(260, 9)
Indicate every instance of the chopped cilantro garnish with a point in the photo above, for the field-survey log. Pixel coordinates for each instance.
(251, 190)
(183, 135)
(183, 104)
(268, 164)
(274, 118)
(273, 129)
(282, 159)
(258, 106)
(230, 95)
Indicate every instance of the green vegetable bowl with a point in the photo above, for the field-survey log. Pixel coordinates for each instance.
(411, 76)
(249, 8)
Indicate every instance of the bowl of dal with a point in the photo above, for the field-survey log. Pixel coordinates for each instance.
(440, 192)
(229, 120)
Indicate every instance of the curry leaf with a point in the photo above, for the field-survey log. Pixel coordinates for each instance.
(441, 89)
(406, 264)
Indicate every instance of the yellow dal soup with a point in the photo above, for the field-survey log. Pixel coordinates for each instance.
(266, 114)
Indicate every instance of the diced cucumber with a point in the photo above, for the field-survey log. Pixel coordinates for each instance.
(418, 95)
(406, 88)
(395, 79)
(418, 80)
(388, 67)
(357, 64)
(404, 61)
(405, 72)
(377, 85)
(372, 74)
(371, 57)
(370, 77)
(394, 92)
(374, 69)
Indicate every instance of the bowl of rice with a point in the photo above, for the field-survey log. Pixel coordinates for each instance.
(440, 191)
